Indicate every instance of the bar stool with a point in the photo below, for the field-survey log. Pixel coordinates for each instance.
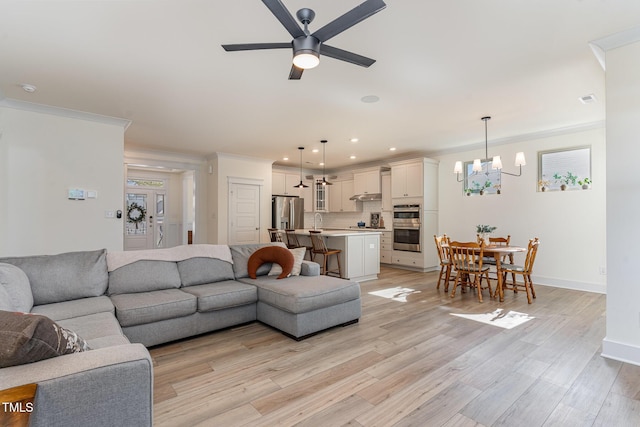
(293, 242)
(320, 248)
(274, 235)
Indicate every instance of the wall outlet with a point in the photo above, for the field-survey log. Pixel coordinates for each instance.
(109, 214)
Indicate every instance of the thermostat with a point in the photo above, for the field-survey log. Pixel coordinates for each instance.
(76, 194)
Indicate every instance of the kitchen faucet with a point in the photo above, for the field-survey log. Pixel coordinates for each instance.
(314, 219)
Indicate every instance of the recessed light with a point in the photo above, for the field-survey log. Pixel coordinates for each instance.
(321, 163)
(285, 158)
(369, 99)
(354, 140)
(315, 150)
(28, 88)
(392, 149)
(352, 157)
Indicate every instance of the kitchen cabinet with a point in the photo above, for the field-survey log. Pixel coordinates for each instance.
(321, 198)
(407, 180)
(385, 189)
(366, 181)
(339, 195)
(386, 247)
(282, 184)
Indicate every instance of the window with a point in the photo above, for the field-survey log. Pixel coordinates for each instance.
(565, 169)
(486, 181)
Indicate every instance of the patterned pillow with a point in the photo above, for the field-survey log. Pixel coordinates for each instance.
(298, 256)
(28, 338)
(273, 254)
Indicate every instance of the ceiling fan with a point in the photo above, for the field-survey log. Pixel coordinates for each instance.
(307, 47)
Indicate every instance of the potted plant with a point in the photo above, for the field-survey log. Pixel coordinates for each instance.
(543, 184)
(484, 230)
(487, 184)
(497, 187)
(565, 180)
(467, 191)
(584, 183)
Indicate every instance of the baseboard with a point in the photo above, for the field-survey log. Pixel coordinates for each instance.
(570, 284)
(621, 352)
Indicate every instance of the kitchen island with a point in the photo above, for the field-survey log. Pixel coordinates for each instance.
(360, 256)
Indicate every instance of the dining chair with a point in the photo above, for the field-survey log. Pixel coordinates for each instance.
(445, 262)
(491, 261)
(320, 248)
(466, 258)
(523, 270)
(293, 242)
(275, 235)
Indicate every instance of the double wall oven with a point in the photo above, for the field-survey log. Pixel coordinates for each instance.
(407, 228)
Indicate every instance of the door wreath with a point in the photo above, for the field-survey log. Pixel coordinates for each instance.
(136, 214)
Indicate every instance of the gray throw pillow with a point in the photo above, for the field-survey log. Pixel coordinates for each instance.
(15, 290)
(28, 338)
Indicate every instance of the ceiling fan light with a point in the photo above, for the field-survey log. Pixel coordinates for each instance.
(306, 59)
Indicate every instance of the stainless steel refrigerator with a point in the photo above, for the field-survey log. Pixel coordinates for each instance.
(287, 212)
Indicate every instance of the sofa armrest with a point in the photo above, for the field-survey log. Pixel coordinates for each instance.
(309, 268)
(103, 387)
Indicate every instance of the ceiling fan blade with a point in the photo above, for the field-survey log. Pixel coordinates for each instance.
(343, 55)
(295, 73)
(255, 46)
(284, 16)
(349, 19)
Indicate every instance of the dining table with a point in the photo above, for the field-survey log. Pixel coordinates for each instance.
(497, 251)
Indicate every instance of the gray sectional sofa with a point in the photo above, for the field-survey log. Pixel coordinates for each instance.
(123, 302)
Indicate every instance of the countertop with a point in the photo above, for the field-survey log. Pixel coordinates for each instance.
(340, 232)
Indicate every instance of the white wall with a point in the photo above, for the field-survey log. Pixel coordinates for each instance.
(225, 166)
(42, 155)
(623, 203)
(570, 224)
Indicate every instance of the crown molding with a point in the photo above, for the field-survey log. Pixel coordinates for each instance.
(63, 112)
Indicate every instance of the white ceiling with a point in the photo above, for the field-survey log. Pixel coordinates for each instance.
(441, 66)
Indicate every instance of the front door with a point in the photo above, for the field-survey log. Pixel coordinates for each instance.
(244, 214)
(144, 220)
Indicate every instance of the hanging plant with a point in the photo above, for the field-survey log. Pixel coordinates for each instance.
(136, 214)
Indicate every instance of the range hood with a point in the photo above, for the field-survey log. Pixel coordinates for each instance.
(367, 197)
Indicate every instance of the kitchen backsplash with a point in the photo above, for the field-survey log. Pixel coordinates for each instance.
(349, 219)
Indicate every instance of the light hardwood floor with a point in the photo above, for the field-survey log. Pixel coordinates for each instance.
(407, 364)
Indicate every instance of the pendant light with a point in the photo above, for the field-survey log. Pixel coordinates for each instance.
(324, 179)
(301, 185)
(496, 163)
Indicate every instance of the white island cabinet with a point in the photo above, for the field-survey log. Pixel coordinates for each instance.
(360, 256)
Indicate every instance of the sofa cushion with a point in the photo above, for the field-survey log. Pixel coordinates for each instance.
(271, 254)
(298, 257)
(28, 338)
(148, 307)
(199, 271)
(15, 290)
(144, 276)
(76, 308)
(94, 326)
(305, 293)
(241, 254)
(64, 277)
(220, 295)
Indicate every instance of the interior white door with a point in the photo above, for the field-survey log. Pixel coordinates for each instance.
(244, 214)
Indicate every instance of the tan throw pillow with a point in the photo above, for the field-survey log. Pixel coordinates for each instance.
(298, 256)
(28, 338)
